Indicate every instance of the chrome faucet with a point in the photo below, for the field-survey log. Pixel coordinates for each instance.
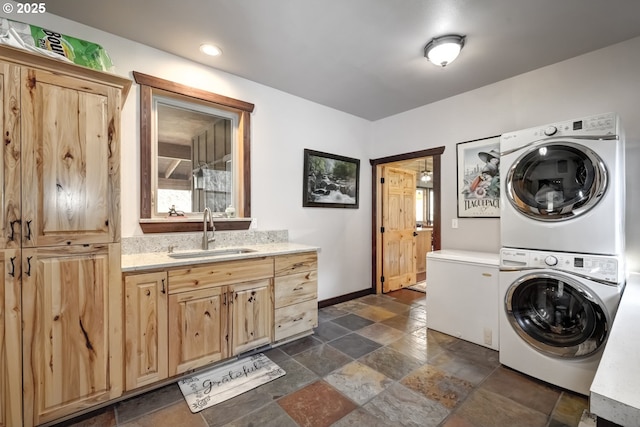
(205, 235)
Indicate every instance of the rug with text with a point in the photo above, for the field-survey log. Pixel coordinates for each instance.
(211, 387)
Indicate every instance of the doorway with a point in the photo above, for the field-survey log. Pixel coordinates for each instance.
(409, 161)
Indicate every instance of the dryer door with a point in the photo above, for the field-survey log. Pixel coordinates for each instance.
(556, 181)
(557, 315)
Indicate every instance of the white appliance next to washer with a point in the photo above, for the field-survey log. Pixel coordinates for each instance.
(562, 186)
(556, 313)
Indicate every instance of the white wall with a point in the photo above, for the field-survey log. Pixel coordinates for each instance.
(597, 82)
(282, 126)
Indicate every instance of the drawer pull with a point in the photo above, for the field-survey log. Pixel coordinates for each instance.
(298, 264)
(14, 222)
(12, 273)
(298, 288)
(487, 274)
(298, 318)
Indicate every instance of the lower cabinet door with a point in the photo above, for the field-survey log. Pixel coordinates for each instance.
(146, 329)
(72, 344)
(10, 333)
(197, 328)
(251, 315)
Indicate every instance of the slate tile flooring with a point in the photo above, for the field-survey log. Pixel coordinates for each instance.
(371, 362)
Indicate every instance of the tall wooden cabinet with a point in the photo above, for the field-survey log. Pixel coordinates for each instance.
(61, 234)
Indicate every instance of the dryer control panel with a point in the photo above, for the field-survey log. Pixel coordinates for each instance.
(599, 126)
(599, 267)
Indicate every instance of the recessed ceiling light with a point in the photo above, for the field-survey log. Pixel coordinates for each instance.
(210, 49)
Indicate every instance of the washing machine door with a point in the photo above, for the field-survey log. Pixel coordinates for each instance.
(557, 315)
(556, 181)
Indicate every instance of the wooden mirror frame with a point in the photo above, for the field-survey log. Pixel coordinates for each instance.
(150, 86)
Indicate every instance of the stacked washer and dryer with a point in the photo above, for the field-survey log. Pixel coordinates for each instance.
(562, 234)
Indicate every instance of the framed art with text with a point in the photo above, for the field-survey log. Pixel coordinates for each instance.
(479, 178)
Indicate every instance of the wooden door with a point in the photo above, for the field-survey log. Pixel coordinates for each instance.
(146, 329)
(10, 159)
(72, 353)
(251, 315)
(70, 160)
(10, 339)
(197, 328)
(399, 224)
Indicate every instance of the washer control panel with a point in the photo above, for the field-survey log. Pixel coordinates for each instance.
(601, 267)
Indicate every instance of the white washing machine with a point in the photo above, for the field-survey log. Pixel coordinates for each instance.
(556, 313)
(562, 187)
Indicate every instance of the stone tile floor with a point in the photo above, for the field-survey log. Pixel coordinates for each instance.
(371, 362)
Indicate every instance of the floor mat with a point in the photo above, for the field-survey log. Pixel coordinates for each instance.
(211, 387)
(420, 287)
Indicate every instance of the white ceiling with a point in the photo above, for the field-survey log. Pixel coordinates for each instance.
(365, 57)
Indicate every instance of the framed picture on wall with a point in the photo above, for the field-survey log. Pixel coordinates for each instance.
(330, 181)
(479, 178)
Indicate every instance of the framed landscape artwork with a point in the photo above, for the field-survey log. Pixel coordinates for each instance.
(330, 181)
(479, 178)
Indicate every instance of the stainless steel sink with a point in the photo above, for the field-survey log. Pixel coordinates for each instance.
(211, 253)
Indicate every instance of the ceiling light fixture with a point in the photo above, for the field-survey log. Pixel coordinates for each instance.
(210, 49)
(426, 176)
(442, 51)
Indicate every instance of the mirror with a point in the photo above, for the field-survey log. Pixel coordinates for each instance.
(194, 153)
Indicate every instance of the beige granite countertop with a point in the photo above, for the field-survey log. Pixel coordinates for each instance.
(155, 260)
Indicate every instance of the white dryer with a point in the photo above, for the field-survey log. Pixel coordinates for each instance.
(562, 187)
(556, 313)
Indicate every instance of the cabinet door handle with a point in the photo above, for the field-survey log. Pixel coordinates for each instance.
(12, 235)
(29, 230)
(12, 273)
(29, 266)
(415, 233)
(162, 289)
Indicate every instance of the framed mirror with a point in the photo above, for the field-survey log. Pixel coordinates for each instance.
(194, 153)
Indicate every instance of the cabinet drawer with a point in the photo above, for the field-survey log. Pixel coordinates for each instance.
(296, 288)
(291, 264)
(295, 319)
(219, 273)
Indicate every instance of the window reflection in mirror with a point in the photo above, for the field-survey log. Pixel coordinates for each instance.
(195, 166)
(194, 153)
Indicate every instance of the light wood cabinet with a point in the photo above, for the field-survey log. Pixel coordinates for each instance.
(197, 329)
(10, 340)
(146, 329)
(251, 315)
(60, 217)
(423, 246)
(296, 295)
(72, 329)
(211, 312)
(217, 311)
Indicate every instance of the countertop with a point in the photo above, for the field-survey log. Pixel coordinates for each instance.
(615, 391)
(148, 261)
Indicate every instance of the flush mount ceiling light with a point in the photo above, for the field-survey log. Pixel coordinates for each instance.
(442, 51)
(210, 49)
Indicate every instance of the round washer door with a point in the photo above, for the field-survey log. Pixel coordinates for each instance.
(556, 181)
(557, 315)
